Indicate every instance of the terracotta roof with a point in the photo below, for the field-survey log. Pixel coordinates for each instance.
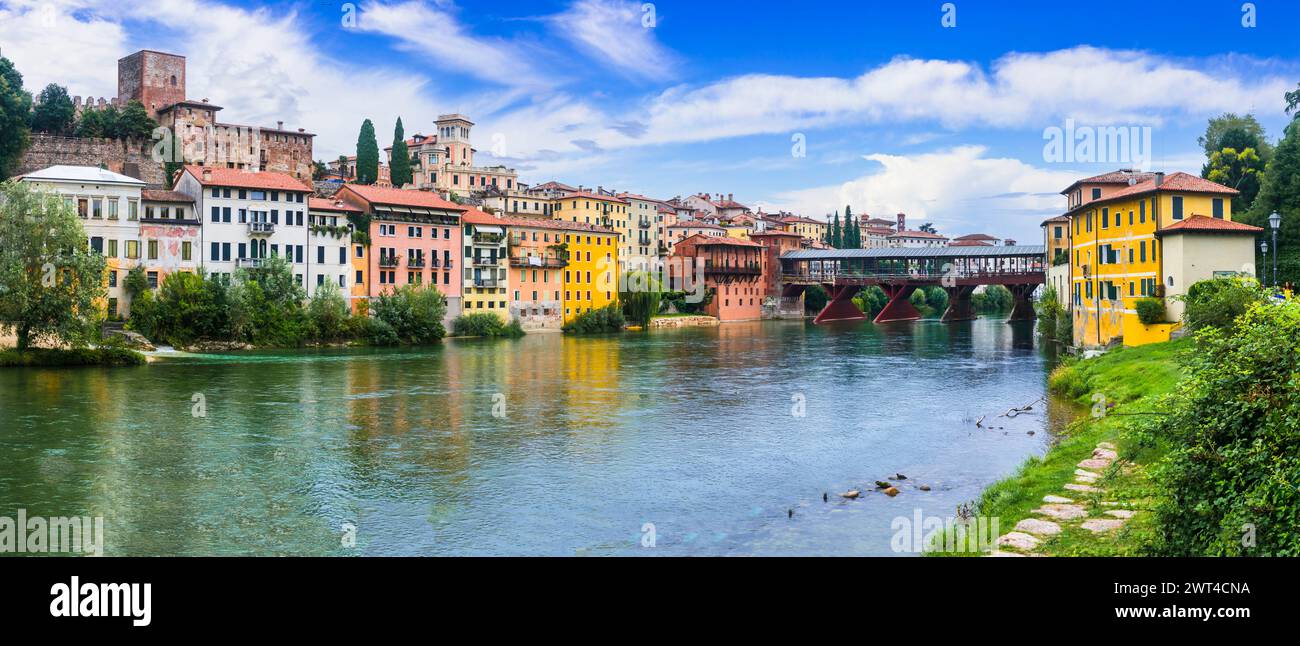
(693, 224)
(401, 197)
(799, 218)
(975, 236)
(1207, 224)
(916, 234)
(1174, 183)
(1059, 218)
(237, 178)
(322, 204)
(1121, 176)
(722, 241)
(475, 216)
(880, 230)
(151, 195)
(775, 232)
(969, 243)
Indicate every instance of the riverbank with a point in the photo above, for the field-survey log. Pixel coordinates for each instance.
(1092, 493)
(53, 357)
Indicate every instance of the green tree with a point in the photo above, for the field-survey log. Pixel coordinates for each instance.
(1237, 132)
(1280, 192)
(367, 154)
(837, 238)
(50, 281)
(98, 123)
(54, 112)
(328, 313)
(318, 170)
(343, 167)
(1239, 170)
(399, 162)
(133, 122)
(413, 312)
(15, 108)
(928, 227)
(1292, 99)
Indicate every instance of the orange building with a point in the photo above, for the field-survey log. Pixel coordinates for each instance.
(733, 274)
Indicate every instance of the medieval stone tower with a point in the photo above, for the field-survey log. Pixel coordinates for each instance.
(155, 79)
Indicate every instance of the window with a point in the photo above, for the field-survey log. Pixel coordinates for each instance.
(112, 249)
(153, 250)
(186, 251)
(97, 245)
(216, 214)
(1105, 218)
(1218, 207)
(153, 279)
(133, 249)
(1096, 193)
(112, 278)
(359, 281)
(1142, 212)
(1178, 207)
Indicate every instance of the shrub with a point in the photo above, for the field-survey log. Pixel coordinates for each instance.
(1218, 302)
(815, 298)
(413, 312)
(1049, 310)
(75, 357)
(485, 324)
(605, 319)
(1151, 311)
(1233, 464)
(327, 313)
(995, 299)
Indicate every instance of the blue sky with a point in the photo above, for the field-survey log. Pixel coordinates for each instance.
(895, 111)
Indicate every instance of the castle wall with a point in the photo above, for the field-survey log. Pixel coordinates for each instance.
(130, 157)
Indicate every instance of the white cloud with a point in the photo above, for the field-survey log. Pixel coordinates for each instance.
(960, 190)
(619, 34)
(49, 45)
(435, 32)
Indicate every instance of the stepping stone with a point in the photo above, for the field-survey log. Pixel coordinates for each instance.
(1018, 540)
(1104, 454)
(1086, 474)
(1121, 513)
(999, 553)
(1038, 526)
(1062, 512)
(1094, 463)
(1106, 445)
(1082, 487)
(1085, 479)
(1057, 499)
(1101, 525)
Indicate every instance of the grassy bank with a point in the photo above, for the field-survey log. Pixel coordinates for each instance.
(1128, 379)
(46, 357)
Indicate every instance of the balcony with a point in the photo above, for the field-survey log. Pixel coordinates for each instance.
(261, 228)
(415, 262)
(485, 261)
(739, 268)
(389, 262)
(644, 223)
(489, 239)
(540, 262)
(248, 263)
(489, 282)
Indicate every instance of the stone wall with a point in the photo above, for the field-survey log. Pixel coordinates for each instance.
(782, 307)
(131, 157)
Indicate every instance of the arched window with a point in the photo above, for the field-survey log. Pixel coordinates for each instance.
(173, 80)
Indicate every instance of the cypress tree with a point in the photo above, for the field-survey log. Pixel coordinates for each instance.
(851, 233)
(836, 237)
(399, 163)
(367, 154)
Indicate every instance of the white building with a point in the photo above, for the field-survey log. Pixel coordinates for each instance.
(330, 234)
(248, 217)
(917, 239)
(109, 206)
(639, 241)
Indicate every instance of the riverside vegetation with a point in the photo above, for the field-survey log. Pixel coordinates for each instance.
(1204, 432)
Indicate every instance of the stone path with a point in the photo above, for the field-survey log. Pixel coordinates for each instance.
(1030, 533)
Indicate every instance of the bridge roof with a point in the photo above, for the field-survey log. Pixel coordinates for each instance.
(914, 252)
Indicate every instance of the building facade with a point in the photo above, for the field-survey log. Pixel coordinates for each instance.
(733, 274)
(486, 265)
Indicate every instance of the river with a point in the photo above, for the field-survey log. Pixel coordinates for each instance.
(696, 441)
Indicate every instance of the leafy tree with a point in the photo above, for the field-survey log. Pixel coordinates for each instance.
(15, 106)
(413, 312)
(1280, 192)
(849, 227)
(928, 227)
(367, 154)
(604, 319)
(98, 123)
(54, 112)
(328, 313)
(1049, 309)
(485, 324)
(50, 281)
(319, 170)
(133, 122)
(1292, 99)
(815, 298)
(136, 282)
(1218, 302)
(1229, 130)
(343, 166)
(399, 162)
(1239, 170)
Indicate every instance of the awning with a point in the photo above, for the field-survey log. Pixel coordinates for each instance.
(480, 228)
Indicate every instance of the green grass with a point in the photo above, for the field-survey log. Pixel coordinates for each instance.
(1128, 378)
(42, 357)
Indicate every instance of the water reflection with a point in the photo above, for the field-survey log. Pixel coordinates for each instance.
(544, 445)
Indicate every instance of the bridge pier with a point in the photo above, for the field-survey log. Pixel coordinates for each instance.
(959, 305)
(1023, 309)
(899, 307)
(840, 307)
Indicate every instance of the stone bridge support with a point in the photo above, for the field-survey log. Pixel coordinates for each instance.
(959, 305)
(840, 307)
(899, 307)
(1023, 309)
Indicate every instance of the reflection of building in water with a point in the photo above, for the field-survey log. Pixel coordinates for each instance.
(591, 381)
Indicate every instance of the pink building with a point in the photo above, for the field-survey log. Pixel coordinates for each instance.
(415, 238)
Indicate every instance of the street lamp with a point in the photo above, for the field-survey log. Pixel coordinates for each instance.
(1275, 221)
(1263, 248)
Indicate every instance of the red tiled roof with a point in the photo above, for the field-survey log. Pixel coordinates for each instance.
(916, 234)
(800, 219)
(151, 195)
(237, 178)
(774, 232)
(880, 230)
(401, 197)
(1207, 224)
(542, 223)
(475, 216)
(728, 241)
(322, 204)
(969, 243)
(1175, 183)
(975, 236)
(693, 224)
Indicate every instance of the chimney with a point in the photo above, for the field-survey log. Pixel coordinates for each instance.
(730, 196)
(207, 175)
(902, 222)
(279, 125)
(1160, 179)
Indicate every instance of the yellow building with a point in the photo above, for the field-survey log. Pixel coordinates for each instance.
(487, 265)
(591, 273)
(591, 208)
(1124, 230)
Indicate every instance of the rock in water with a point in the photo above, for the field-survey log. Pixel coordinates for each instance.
(924, 487)
(881, 484)
(891, 492)
(899, 476)
(851, 494)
